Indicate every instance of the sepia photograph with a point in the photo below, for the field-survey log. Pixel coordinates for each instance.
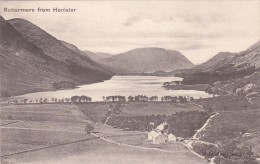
(130, 82)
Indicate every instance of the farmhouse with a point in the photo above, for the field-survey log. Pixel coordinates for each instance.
(171, 137)
(152, 134)
(159, 139)
(156, 137)
(176, 83)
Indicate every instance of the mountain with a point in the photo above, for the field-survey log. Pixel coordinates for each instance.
(32, 60)
(98, 55)
(249, 57)
(227, 66)
(216, 61)
(148, 60)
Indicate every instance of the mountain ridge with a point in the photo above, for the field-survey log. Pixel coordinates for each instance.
(148, 59)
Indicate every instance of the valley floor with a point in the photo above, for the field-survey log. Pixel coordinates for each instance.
(54, 133)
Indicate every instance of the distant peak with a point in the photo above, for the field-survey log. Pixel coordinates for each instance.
(224, 53)
(148, 48)
(18, 19)
(21, 20)
(1, 18)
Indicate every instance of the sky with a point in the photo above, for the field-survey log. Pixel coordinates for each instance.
(198, 29)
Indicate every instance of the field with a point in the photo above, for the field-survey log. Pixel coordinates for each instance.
(54, 133)
(136, 138)
(29, 127)
(227, 103)
(95, 111)
(155, 108)
(97, 151)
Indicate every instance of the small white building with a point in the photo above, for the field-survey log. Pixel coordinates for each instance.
(171, 137)
(159, 139)
(161, 126)
(152, 134)
(156, 137)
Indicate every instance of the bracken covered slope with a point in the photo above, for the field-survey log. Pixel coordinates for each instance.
(32, 60)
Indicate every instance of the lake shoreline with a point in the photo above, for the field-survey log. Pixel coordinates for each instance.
(198, 87)
(119, 85)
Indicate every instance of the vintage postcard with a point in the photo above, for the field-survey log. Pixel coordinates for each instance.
(130, 82)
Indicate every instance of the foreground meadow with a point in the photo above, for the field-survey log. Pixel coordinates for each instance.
(54, 133)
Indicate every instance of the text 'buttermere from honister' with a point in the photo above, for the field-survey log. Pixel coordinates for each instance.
(40, 10)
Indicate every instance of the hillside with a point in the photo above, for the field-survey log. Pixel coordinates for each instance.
(32, 60)
(216, 61)
(250, 57)
(223, 67)
(243, 60)
(148, 60)
(98, 55)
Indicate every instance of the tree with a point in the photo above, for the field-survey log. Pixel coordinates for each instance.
(75, 99)
(130, 98)
(89, 99)
(25, 100)
(83, 98)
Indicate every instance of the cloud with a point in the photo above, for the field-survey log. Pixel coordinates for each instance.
(130, 21)
(194, 46)
(199, 29)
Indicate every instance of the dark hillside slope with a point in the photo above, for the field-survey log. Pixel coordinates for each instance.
(28, 65)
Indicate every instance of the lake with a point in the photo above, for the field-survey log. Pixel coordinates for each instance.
(121, 85)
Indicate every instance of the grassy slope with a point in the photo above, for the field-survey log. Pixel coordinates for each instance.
(236, 118)
(150, 108)
(53, 123)
(32, 60)
(95, 111)
(99, 152)
(28, 127)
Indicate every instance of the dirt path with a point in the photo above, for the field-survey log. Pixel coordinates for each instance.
(132, 146)
(195, 138)
(188, 143)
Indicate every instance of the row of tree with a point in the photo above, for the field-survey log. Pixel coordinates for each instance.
(175, 99)
(81, 99)
(116, 98)
(74, 99)
(143, 98)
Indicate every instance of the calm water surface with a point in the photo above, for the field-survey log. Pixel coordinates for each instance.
(124, 86)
